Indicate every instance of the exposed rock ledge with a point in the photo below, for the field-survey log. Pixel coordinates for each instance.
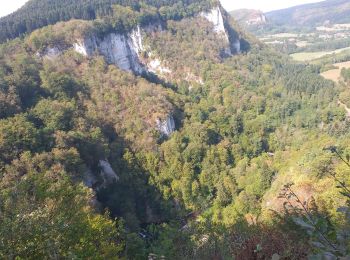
(167, 126)
(216, 18)
(119, 49)
(125, 50)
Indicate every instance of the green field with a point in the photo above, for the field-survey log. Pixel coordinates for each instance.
(309, 56)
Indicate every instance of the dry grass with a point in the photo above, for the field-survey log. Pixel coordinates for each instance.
(335, 73)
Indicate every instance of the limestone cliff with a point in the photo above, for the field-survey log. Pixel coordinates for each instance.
(120, 49)
(166, 127)
(125, 50)
(216, 17)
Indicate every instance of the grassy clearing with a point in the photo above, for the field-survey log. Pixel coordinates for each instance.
(279, 36)
(335, 73)
(308, 56)
(302, 43)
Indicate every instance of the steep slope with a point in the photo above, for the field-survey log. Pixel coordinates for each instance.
(132, 50)
(38, 13)
(162, 131)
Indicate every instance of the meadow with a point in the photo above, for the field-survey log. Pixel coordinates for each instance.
(334, 74)
(309, 56)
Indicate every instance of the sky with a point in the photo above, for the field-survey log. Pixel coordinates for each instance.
(265, 5)
(9, 6)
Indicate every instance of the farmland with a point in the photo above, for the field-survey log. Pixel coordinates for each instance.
(309, 56)
(334, 74)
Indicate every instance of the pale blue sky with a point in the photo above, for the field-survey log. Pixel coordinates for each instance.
(9, 6)
(265, 5)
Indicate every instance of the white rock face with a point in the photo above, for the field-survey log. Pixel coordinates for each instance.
(52, 52)
(119, 49)
(108, 174)
(81, 47)
(257, 19)
(215, 17)
(166, 127)
(156, 67)
(136, 40)
(49, 53)
(237, 46)
(124, 50)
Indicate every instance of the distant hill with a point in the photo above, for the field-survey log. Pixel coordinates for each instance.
(330, 11)
(249, 17)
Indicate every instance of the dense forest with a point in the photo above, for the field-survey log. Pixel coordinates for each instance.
(38, 13)
(257, 168)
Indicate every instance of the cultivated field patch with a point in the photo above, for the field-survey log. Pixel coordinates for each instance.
(335, 73)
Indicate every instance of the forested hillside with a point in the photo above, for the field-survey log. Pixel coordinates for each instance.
(316, 14)
(172, 135)
(38, 13)
(303, 19)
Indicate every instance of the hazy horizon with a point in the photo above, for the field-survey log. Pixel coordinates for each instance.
(264, 5)
(229, 5)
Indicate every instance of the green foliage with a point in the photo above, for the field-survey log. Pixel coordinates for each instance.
(245, 124)
(20, 81)
(345, 73)
(54, 114)
(17, 135)
(39, 13)
(43, 214)
(59, 85)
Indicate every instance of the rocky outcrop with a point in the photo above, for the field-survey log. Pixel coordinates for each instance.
(101, 179)
(107, 172)
(155, 66)
(237, 46)
(49, 53)
(257, 18)
(167, 126)
(249, 17)
(119, 49)
(216, 17)
(125, 50)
